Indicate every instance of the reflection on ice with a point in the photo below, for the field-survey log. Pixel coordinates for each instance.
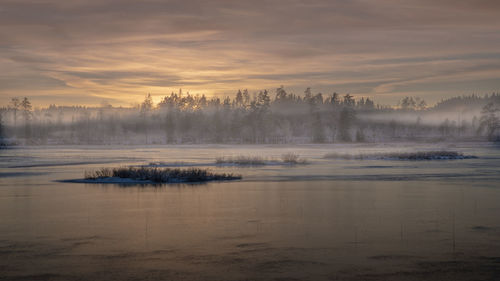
(330, 219)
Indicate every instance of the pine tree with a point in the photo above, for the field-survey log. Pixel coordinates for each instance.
(26, 108)
(489, 120)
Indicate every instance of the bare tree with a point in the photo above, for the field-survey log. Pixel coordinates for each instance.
(146, 107)
(1, 127)
(15, 104)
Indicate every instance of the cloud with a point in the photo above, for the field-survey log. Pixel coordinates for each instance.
(28, 82)
(124, 49)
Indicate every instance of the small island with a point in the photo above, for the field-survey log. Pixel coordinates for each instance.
(411, 156)
(153, 175)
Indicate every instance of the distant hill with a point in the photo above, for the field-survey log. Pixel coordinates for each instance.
(466, 103)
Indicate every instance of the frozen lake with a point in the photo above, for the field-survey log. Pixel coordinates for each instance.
(331, 219)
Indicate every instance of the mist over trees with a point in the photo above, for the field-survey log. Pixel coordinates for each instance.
(2, 141)
(490, 122)
(256, 118)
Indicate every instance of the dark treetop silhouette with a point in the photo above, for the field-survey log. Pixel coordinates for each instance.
(257, 118)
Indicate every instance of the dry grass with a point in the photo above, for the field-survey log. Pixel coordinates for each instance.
(420, 155)
(242, 160)
(159, 175)
(292, 158)
(288, 159)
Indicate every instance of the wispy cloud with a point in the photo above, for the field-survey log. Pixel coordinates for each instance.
(121, 50)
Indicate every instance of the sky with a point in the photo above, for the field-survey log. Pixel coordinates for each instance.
(93, 51)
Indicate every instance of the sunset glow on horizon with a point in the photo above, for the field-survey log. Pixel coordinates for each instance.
(89, 52)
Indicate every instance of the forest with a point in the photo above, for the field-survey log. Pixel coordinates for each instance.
(258, 118)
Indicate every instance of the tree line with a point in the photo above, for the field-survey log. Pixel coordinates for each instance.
(262, 117)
